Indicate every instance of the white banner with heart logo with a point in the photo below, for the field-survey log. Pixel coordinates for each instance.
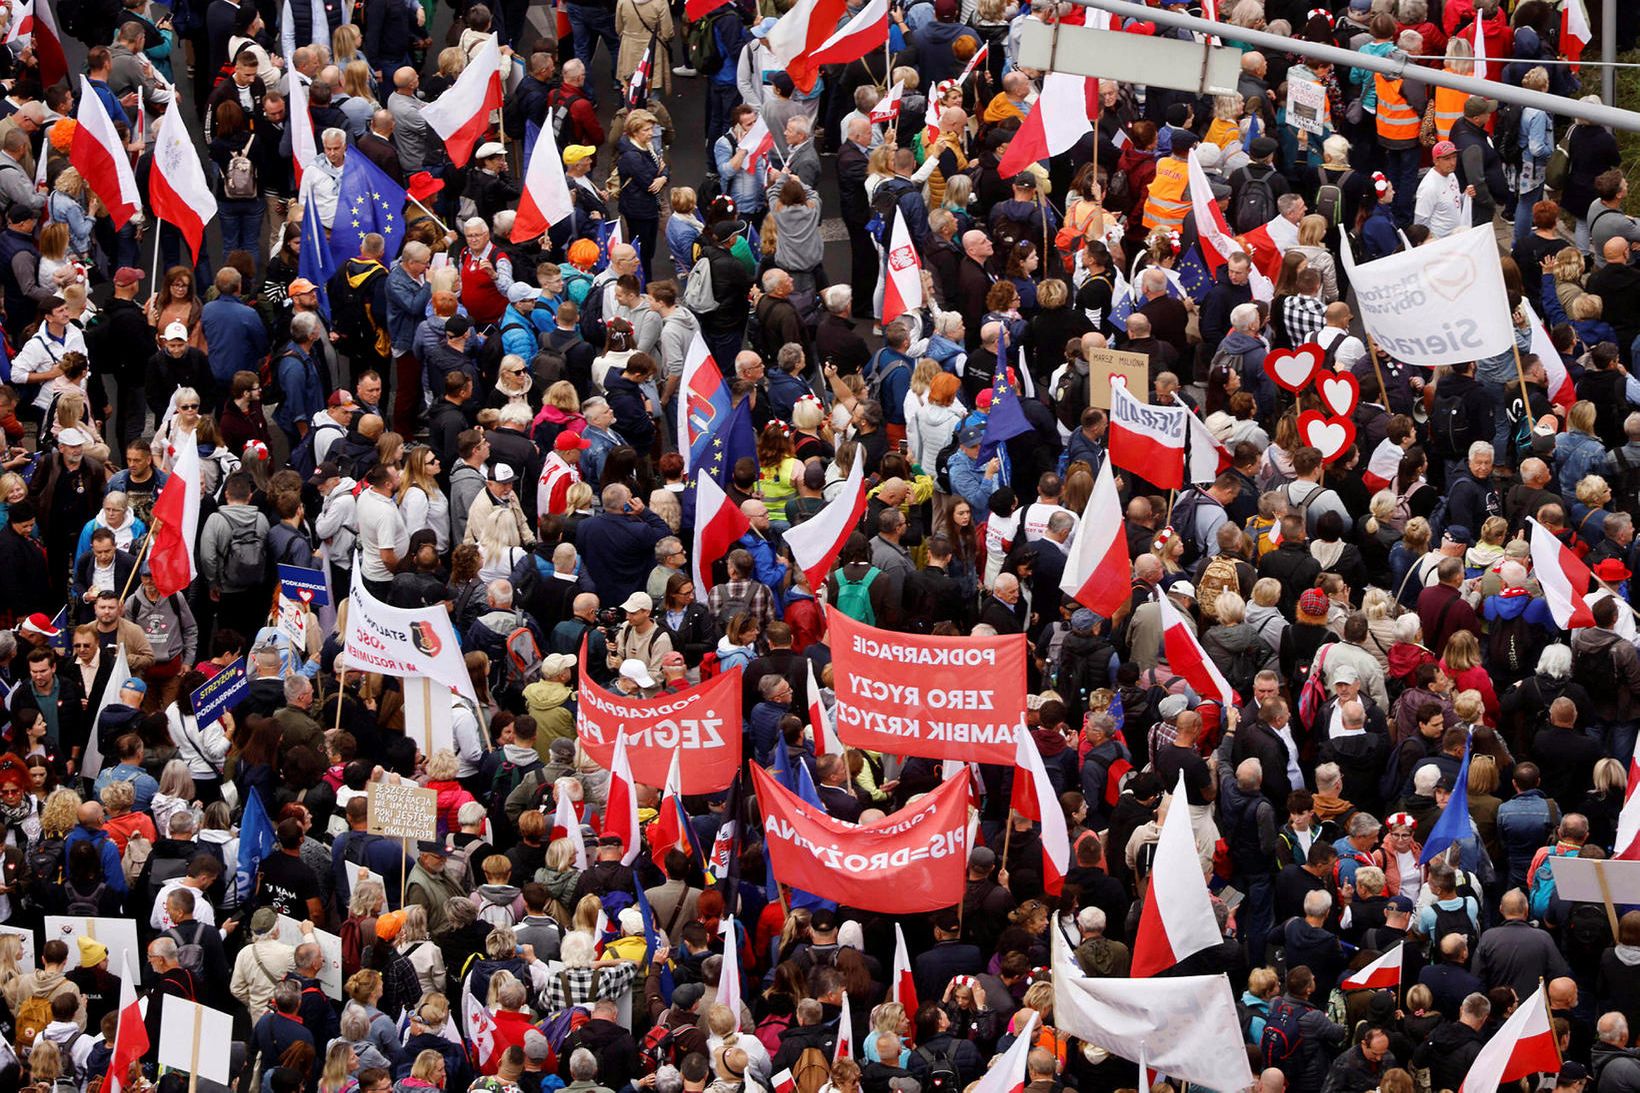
(1442, 303)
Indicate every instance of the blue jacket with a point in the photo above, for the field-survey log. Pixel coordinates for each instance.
(894, 368)
(1577, 455)
(518, 334)
(592, 460)
(763, 730)
(237, 338)
(406, 306)
(113, 872)
(631, 419)
(742, 185)
(304, 394)
(968, 481)
(1378, 236)
(142, 783)
(619, 551)
(1525, 822)
(766, 567)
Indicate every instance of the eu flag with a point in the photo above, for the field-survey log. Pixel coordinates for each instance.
(255, 843)
(1453, 824)
(314, 261)
(806, 789)
(1007, 418)
(368, 201)
(1193, 275)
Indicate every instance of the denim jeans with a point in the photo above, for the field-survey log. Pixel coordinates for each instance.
(721, 98)
(241, 226)
(589, 23)
(1523, 213)
(723, 348)
(1403, 175)
(1617, 738)
(1257, 915)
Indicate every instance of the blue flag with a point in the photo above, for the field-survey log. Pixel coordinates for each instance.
(314, 262)
(1193, 274)
(368, 201)
(1007, 418)
(59, 622)
(781, 768)
(255, 843)
(805, 789)
(1453, 824)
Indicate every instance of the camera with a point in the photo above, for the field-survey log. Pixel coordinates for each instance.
(609, 620)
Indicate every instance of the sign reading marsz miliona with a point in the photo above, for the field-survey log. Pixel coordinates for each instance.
(1441, 303)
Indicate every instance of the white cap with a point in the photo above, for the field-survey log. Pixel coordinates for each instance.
(71, 437)
(519, 292)
(502, 472)
(176, 332)
(638, 601)
(489, 148)
(1182, 588)
(637, 671)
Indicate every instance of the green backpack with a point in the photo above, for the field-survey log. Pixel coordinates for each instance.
(854, 597)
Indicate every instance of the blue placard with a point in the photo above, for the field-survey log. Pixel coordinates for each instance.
(294, 580)
(220, 692)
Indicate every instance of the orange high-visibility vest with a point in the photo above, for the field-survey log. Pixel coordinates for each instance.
(1169, 197)
(1448, 109)
(1396, 118)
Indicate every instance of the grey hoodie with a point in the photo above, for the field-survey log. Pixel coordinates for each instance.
(499, 904)
(218, 537)
(466, 483)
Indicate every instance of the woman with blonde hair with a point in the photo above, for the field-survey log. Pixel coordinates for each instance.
(1578, 451)
(1312, 244)
(499, 544)
(683, 229)
(57, 267)
(60, 814)
(811, 431)
(340, 1064)
(560, 412)
(778, 470)
(559, 876)
(421, 500)
(356, 83)
(68, 204)
(347, 46)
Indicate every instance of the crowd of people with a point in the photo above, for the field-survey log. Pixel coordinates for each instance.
(488, 426)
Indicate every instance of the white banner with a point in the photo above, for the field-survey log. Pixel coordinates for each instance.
(399, 641)
(1442, 303)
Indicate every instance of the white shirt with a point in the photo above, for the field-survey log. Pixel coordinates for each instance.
(1349, 350)
(1295, 776)
(43, 352)
(1037, 515)
(102, 577)
(1439, 205)
(161, 918)
(380, 525)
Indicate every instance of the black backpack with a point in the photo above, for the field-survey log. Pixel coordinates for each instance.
(1594, 669)
(1329, 204)
(1183, 520)
(1626, 490)
(84, 904)
(1511, 648)
(1449, 426)
(302, 459)
(45, 861)
(941, 1074)
(1282, 1038)
(1448, 921)
(942, 465)
(1256, 203)
(1070, 397)
(1506, 133)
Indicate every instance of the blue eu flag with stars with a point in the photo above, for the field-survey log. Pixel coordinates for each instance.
(368, 201)
(314, 262)
(1007, 418)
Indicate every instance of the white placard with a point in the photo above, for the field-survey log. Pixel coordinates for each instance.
(428, 715)
(195, 1039)
(1579, 879)
(27, 938)
(1306, 105)
(119, 934)
(330, 973)
(293, 619)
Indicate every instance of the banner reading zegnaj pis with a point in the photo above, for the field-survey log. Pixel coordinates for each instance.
(1441, 303)
(913, 694)
(702, 722)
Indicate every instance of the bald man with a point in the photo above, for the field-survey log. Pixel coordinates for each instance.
(1618, 284)
(974, 281)
(1515, 953)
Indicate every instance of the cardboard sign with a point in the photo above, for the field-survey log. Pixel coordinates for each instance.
(221, 692)
(289, 931)
(403, 811)
(293, 622)
(195, 1039)
(428, 715)
(1105, 363)
(1581, 879)
(119, 934)
(1306, 106)
(306, 585)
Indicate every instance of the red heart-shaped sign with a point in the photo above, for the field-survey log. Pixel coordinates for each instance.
(1340, 391)
(1293, 369)
(1331, 436)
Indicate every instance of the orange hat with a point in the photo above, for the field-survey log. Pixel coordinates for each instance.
(583, 254)
(62, 133)
(389, 925)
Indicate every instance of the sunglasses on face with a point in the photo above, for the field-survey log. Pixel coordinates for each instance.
(187, 406)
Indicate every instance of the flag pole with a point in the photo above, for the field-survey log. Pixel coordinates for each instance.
(137, 568)
(1520, 372)
(430, 214)
(1372, 350)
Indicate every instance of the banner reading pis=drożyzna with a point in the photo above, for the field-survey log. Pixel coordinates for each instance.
(914, 694)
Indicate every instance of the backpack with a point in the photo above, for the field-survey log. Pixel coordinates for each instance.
(1453, 921)
(942, 465)
(1256, 204)
(1070, 397)
(354, 946)
(1506, 133)
(1218, 578)
(246, 563)
(1541, 888)
(711, 665)
(1329, 200)
(1282, 1037)
(877, 375)
(699, 295)
(458, 866)
(239, 180)
(137, 851)
(734, 605)
(551, 363)
(1559, 170)
(1626, 490)
(659, 1048)
(854, 597)
(591, 324)
(302, 457)
(1511, 647)
(1594, 669)
(84, 904)
(45, 861)
(507, 777)
(812, 1071)
(941, 1075)
(1183, 521)
(190, 954)
(1449, 426)
(32, 1018)
(701, 48)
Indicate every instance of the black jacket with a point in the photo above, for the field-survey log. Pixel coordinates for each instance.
(1480, 166)
(1296, 569)
(1478, 410)
(387, 34)
(730, 283)
(25, 582)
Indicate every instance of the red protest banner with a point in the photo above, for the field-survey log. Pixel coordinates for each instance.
(703, 722)
(910, 862)
(911, 694)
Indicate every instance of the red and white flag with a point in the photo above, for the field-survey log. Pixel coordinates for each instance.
(176, 522)
(799, 35)
(693, 10)
(621, 804)
(719, 524)
(566, 824)
(1564, 577)
(99, 154)
(1574, 32)
(130, 1036)
(728, 992)
(1178, 914)
(904, 987)
(1148, 440)
(757, 144)
(176, 184)
(826, 741)
(903, 291)
(1098, 571)
(637, 88)
(1627, 846)
(816, 542)
(304, 145)
(845, 1031)
(888, 107)
(546, 199)
(1384, 465)
(1187, 658)
(666, 830)
(1208, 458)
(1266, 244)
(48, 45)
(1557, 379)
(867, 31)
(481, 1028)
(1524, 1045)
(1057, 121)
(1382, 974)
(1217, 244)
(461, 116)
(1034, 797)
(20, 28)
(973, 62)
(783, 1082)
(1007, 1074)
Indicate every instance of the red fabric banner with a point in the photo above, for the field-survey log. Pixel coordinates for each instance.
(907, 863)
(912, 694)
(703, 722)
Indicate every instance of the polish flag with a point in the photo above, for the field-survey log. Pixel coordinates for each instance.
(462, 114)
(1057, 121)
(845, 1031)
(621, 804)
(99, 154)
(695, 10)
(481, 1028)
(666, 830)
(176, 522)
(1559, 381)
(1178, 915)
(1627, 847)
(1524, 1045)
(1187, 658)
(1266, 244)
(804, 28)
(1034, 797)
(728, 991)
(304, 147)
(865, 32)
(545, 200)
(825, 733)
(1098, 570)
(1007, 1075)
(1481, 69)
(783, 1082)
(131, 1036)
(816, 542)
(904, 987)
(1384, 465)
(973, 62)
(1208, 458)
(567, 825)
(718, 526)
(1574, 32)
(702, 396)
(1564, 577)
(177, 186)
(1217, 244)
(21, 26)
(1382, 974)
(903, 291)
(1148, 440)
(757, 144)
(888, 107)
(48, 46)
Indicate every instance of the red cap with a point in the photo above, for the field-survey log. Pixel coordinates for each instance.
(571, 442)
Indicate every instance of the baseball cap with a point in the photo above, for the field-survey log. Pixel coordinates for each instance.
(341, 399)
(176, 332)
(638, 601)
(570, 442)
(457, 325)
(1399, 903)
(674, 659)
(1083, 620)
(489, 148)
(1172, 706)
(563, 748)
(637, 671)
(501, 472)
(536, 1046)
(553, 663)
(762, 29)
(519, 292)
(970, 436)
(136, 685)
(20, 213)
(1346, 673)
(71, 437)
(1443, 148)
(982, 400)
(38, 623)
(1572, 1071)
(265, 921)
(1182, 588)
(325, 471)
(1024, 181)
(301, 286)
(1457, 533)
(575, 153)
(728, 229)
(127, 275)
(824, 920)
(1478, 106)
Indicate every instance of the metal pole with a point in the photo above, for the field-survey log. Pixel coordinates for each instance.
(1608, 51)
(1397, 66)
